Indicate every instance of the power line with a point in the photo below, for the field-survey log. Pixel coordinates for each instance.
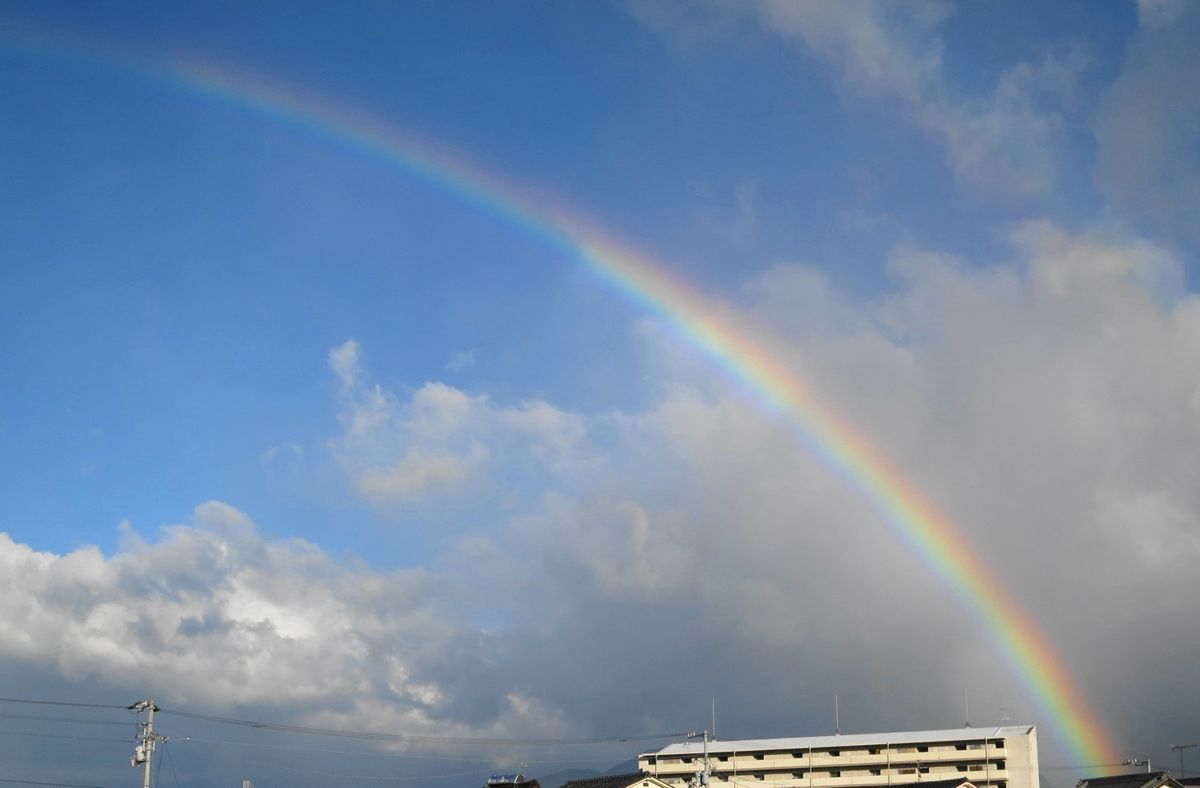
(59, 785)
(60, 719)
(63, 703)
(364, 735)
(369, 736)
(357, 753)
(62, 736)
(373, 753)
(403, 778)
(170, 762)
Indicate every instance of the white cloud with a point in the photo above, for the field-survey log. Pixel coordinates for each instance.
(1005, 143)
(439, 439)
(418, 472)
(1146, 127)
(212, 614)
(343, 360)
(880, 49)
(1050, 406)
(1160, 13)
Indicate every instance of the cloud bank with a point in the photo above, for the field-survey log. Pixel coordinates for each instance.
(612, 572)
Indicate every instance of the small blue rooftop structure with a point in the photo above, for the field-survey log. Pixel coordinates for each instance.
(511, 780)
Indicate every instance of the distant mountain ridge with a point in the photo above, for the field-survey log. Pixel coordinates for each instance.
(557, 779)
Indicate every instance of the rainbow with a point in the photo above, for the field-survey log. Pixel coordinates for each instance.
(703, 323)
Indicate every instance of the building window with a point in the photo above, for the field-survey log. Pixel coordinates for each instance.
(834, 773)
(923, 748)
(758, 756)
(873, 751)
(835, 753)
(722, 758)
(876, 772)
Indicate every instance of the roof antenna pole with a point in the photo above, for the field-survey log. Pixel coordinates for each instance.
(966, 708)
(837, 722)
(714, 717)
(1179, 748)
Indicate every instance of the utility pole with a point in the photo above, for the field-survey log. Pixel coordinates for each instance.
(702, 776)
(1179, 748)
(143, 751)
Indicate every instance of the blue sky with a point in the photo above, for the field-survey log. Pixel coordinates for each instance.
(971, 227)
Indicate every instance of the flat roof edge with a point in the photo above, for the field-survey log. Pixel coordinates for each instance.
(846, 739)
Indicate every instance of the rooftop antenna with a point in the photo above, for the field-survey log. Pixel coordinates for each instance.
(1138, 762)
(837, 722)
(966, 708)
(1179, 748)
(714, 717)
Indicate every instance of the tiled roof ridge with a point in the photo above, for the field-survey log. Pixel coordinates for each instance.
(1133, 778)
(608, 778)
(585, 781)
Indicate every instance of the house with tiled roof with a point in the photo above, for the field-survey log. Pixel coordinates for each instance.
(627, 780)
(1134, 780)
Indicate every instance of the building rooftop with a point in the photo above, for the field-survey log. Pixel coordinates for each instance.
(959, 782)
(1134, 780)
(607, 781)
(848, 740)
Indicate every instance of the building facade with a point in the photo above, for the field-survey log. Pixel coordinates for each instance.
(988, 757)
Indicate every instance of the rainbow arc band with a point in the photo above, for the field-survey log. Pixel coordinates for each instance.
(700, 321)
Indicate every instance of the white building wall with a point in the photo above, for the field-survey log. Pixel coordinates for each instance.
(994, 757)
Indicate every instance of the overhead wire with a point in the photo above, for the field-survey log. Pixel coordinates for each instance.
(64, 703)
(330, 750)
(39, 782)
(396, 737)
(367, 778)
(374, 753)
(81, 721)
(63, 736)
(364, 735)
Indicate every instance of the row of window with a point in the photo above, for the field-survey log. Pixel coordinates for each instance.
(897, 768)
(759, 756)
(687, 779)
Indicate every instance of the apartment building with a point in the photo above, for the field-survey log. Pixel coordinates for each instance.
(993, 757)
